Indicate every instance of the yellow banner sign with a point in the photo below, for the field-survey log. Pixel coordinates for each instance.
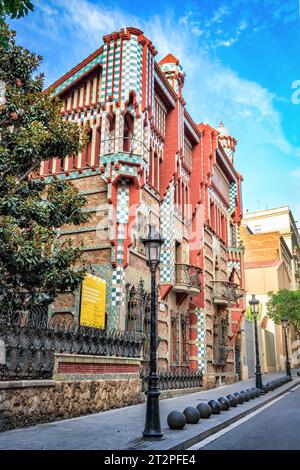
(93, 297)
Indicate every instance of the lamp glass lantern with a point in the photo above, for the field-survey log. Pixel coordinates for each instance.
(254, 305)
(152, 245)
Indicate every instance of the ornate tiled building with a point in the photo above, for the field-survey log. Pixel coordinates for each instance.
(147, 161)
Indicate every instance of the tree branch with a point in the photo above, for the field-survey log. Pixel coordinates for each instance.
(22, 178)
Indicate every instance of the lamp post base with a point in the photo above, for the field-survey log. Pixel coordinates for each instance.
(288, 369)
(258, 381)
(152, 425)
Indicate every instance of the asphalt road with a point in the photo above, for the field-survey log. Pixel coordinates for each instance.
(277, 427)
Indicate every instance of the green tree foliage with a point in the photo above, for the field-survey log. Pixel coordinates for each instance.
(35, 265)
(13, 9)
(284, 304)
(248, 313)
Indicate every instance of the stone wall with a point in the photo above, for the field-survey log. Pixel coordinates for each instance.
(215, 379)
(26, 403)
(81, 384)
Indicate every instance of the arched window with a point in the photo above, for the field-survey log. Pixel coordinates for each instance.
(87, 151)
(128, 132)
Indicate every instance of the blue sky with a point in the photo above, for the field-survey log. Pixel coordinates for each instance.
(241, 59)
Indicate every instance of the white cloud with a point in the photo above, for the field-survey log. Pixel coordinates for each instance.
(296, 173)
(219, 14)
(197, 31)
(213, 92)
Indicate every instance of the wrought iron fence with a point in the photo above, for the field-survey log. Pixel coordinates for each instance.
(175, 378)
(29, 350)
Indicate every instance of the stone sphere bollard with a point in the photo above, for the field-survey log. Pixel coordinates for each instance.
(225, 403)
(191, 414)
(176, 420)
(204, 410)
(233, 400)
(245, 395)
(298, 373)
(239, 397)
(257, 391)
(269, 387)
(215, 407)
(251, 393)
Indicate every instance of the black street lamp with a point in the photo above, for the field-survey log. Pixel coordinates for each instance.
(284, 323)
(254, 305)
(153, 245)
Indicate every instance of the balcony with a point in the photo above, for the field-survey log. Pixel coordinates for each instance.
(187, 279)
(226, 293)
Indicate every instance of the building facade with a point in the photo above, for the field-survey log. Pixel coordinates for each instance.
(268, 268)
(148, 162)
(279, 219)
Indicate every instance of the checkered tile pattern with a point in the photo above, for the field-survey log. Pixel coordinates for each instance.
(123, 204)
(124, 157)
(73, 175)
(124, 170)
(201, 339)
(227, 150)
(132, 68)
(117, 71)
(231, 265)
(232, 195)
(111, 72)
(167, 271)
(82, 71)
(104, 72)
(118, 287)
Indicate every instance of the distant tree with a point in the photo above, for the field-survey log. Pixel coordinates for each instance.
(284, 304)
(34, 264)
(248, 313)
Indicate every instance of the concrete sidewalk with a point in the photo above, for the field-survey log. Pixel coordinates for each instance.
(122, 428)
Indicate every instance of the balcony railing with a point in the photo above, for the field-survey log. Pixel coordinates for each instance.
(226, 293)
(187, 279)
(130, 144)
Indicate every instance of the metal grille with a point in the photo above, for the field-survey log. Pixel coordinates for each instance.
(220, 345)
(30, 349)
(138, 315)
(237, 355)
(175, 378)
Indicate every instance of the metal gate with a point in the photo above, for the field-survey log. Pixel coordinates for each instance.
(237, 355)
(250, 357)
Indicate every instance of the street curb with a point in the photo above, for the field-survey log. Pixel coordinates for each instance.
(190, 441)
